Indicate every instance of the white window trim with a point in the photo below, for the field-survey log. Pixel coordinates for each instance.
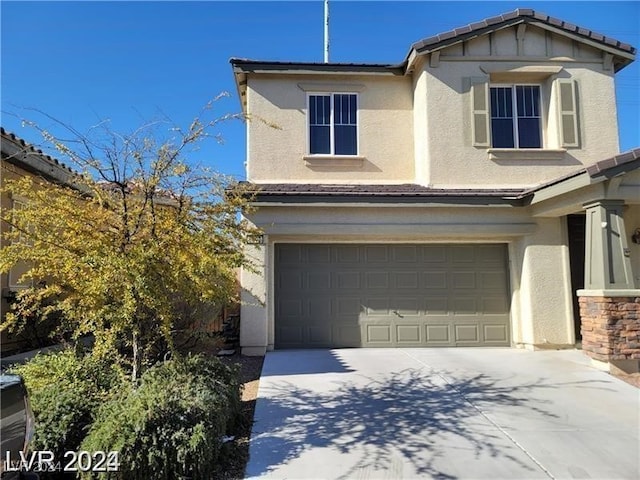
(542, 115)
(332, 153)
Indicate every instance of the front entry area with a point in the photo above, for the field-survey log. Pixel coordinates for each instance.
(391, 295)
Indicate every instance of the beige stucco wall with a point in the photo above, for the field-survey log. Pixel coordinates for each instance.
(277, 134)
(538, 258)
(455, 162)
(418, 128)
(542, 300)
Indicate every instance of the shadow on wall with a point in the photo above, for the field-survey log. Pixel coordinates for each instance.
(403, 421)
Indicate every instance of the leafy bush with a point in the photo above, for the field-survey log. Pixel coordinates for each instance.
(65, 390)
(172, 425)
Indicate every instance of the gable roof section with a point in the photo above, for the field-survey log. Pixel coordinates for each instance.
(623, 52)
(598, 172)
(18, 152)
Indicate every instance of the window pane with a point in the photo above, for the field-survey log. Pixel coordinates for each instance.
(501, 102)
(529, 133)
(346, 140)
(528, 98)
(319, 139)
(319, 109)
(502, 133)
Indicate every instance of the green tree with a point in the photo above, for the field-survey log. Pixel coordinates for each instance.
(141, 241)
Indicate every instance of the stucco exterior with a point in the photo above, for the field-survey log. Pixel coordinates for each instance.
(278, 109)
(417, 125)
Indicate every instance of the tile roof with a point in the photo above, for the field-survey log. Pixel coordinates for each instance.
(406, 189)
(307, 192)
(625, 161)
(25, 156)
(27, 148)
(521, 15)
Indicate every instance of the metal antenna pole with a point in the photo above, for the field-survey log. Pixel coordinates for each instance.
(326, 31)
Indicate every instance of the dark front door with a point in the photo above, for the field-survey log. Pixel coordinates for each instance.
(576, 230)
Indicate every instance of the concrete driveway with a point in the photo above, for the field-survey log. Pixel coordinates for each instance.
(442, 413)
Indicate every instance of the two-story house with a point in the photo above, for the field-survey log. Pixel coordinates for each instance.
(444, 201)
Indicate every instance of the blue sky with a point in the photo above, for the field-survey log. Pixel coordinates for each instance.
(129, 62)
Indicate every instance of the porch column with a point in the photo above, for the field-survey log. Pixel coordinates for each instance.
(609, 303)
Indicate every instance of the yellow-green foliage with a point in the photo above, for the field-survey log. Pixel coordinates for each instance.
(141, 240)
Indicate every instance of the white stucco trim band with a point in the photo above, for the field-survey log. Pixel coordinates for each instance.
(462, 230)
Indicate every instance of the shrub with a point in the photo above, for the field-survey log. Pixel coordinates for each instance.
(65, 390)
(171, 426)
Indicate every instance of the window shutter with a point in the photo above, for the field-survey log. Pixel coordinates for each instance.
(480, 112)
(568, 113)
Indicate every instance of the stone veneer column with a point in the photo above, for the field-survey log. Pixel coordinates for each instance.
(609, 303)
(610, 327)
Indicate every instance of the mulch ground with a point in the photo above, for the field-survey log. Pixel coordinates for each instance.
(236, 454)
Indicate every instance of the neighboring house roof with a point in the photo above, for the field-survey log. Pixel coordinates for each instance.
(18, 152)
(624, 52)
(413, 193)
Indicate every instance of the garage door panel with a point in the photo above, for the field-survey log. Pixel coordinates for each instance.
(376, 254)
(495, 305)
(290, 335)
(405, 254)
(408, 334)
(403, 280)
(438, 334)
(319, 254)
(463, 306)
(466, 333)
(320, 335)
(347, 280)
(348, 254)
(435, 280)
(434, 254)
(391, 295)
(497, 333)
(376, 280)
(378, 334)
(347, 336)
(377, 306)
(288, 253)
(319, 310)
(464, 279)
(318, 280)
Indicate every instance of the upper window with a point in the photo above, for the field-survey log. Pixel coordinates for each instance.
(515, 116)
(333, 127)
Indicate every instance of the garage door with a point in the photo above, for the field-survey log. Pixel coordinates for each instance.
(334, 295)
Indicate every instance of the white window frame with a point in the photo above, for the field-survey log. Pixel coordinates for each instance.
(332, 123)
(541, 116)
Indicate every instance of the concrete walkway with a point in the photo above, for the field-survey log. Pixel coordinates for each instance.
(442, 413)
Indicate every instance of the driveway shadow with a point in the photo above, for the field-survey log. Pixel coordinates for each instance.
(412, 418)
(306, 362)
